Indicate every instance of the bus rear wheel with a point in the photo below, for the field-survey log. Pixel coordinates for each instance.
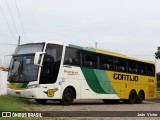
(140, 97)
(68, 97)
(132, 97)
(41, 101)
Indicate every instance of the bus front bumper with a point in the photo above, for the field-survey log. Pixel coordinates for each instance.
(27, 93)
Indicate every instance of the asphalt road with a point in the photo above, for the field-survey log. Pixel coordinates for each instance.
(87, 108)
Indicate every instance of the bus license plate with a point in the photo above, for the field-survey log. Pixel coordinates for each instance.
(18, 93)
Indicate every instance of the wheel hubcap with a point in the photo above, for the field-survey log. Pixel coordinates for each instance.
(68, 96)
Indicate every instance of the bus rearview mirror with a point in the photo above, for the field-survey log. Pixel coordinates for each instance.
(37, 57)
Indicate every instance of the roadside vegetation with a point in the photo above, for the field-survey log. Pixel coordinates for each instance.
(8, 103)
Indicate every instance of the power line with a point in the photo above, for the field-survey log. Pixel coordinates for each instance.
(21, 21)
(12, 17)
(4, 35)
(7, 22)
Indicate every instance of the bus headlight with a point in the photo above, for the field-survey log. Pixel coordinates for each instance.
(33, 86)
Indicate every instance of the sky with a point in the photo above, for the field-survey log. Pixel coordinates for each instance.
(130, 27)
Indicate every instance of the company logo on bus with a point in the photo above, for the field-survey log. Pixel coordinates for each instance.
(125, 77)
(72, 72)
(50, 92)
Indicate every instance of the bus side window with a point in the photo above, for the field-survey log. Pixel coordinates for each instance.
(140, 71)
(150, 70)
(105, 66)
(72, 56)
(107, 62)
(121, 65)
(90, 59)
(141, 68)
(68, 61)
(132, 66)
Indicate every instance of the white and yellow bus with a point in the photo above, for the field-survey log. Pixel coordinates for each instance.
(57, 71)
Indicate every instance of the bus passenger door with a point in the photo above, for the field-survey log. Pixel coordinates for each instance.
(49, 71)
(48, 76)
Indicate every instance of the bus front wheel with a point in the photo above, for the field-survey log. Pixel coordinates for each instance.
(68, 97)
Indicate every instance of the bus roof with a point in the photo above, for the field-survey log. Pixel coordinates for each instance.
(92, 49)
(51, 42)
(119, 55)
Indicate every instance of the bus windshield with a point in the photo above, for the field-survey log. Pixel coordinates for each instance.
(22, 69)
(29, 48)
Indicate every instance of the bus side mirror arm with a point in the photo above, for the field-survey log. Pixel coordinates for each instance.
(36, 58)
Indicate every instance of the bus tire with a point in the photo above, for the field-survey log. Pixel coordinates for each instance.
(41, 101)
(132, 97)
(140, 97)
(68, 97)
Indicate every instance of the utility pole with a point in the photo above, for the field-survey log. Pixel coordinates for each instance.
(96, 44)
(19, 40)
(157, 54)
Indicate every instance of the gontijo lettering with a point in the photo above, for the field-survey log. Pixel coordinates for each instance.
(125, 77)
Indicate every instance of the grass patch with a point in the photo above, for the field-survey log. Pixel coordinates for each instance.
(8, 103)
